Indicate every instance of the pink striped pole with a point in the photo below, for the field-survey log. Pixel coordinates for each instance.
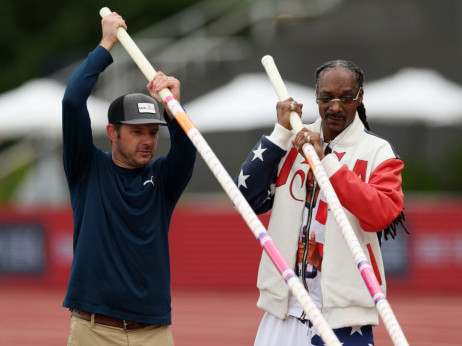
(365, 268)
(233, 192)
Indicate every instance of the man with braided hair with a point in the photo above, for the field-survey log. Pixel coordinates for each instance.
(366, 174)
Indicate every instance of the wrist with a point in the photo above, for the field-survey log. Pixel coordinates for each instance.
(107, 44)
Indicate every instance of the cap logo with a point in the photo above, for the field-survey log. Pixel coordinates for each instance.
(146, 108)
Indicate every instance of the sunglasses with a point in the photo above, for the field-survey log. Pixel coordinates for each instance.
(345, 100)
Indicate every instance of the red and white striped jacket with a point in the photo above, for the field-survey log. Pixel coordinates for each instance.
(365, 172)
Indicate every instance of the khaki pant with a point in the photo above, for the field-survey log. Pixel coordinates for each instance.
(86, 333)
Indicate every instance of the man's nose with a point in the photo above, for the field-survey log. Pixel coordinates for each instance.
(336, 106)
(148, 140)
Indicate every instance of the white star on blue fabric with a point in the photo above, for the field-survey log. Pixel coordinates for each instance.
(314, 332)
(258, 153)
(356, 329)
(270, 192)
(242, 178)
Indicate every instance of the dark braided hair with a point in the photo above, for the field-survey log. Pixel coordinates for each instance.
(359, 79)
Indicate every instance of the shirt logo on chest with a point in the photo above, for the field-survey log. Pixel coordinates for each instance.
(149, 181)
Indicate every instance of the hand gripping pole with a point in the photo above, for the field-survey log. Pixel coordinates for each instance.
(231, 189)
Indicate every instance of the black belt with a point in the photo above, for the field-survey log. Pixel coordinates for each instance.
(110, 321)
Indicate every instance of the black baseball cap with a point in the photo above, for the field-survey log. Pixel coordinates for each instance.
(134, 109)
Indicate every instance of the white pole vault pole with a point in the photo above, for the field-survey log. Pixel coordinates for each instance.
(365, 268)
(231, 189)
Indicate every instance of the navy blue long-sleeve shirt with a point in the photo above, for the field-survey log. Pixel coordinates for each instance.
(121, 264)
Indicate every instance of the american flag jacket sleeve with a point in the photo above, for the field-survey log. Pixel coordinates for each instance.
(258, 173)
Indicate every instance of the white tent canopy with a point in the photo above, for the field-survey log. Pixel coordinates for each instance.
(411, 95)
(246, 102)
(415, 95)
(34, 109)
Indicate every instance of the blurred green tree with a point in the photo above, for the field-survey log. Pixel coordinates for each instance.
(40, 37)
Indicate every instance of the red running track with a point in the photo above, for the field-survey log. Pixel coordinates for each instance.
(34, 316)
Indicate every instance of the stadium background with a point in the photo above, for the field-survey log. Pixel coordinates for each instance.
(214, 255)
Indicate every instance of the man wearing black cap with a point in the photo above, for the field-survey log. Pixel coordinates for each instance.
(140, 112)
(122, 201)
